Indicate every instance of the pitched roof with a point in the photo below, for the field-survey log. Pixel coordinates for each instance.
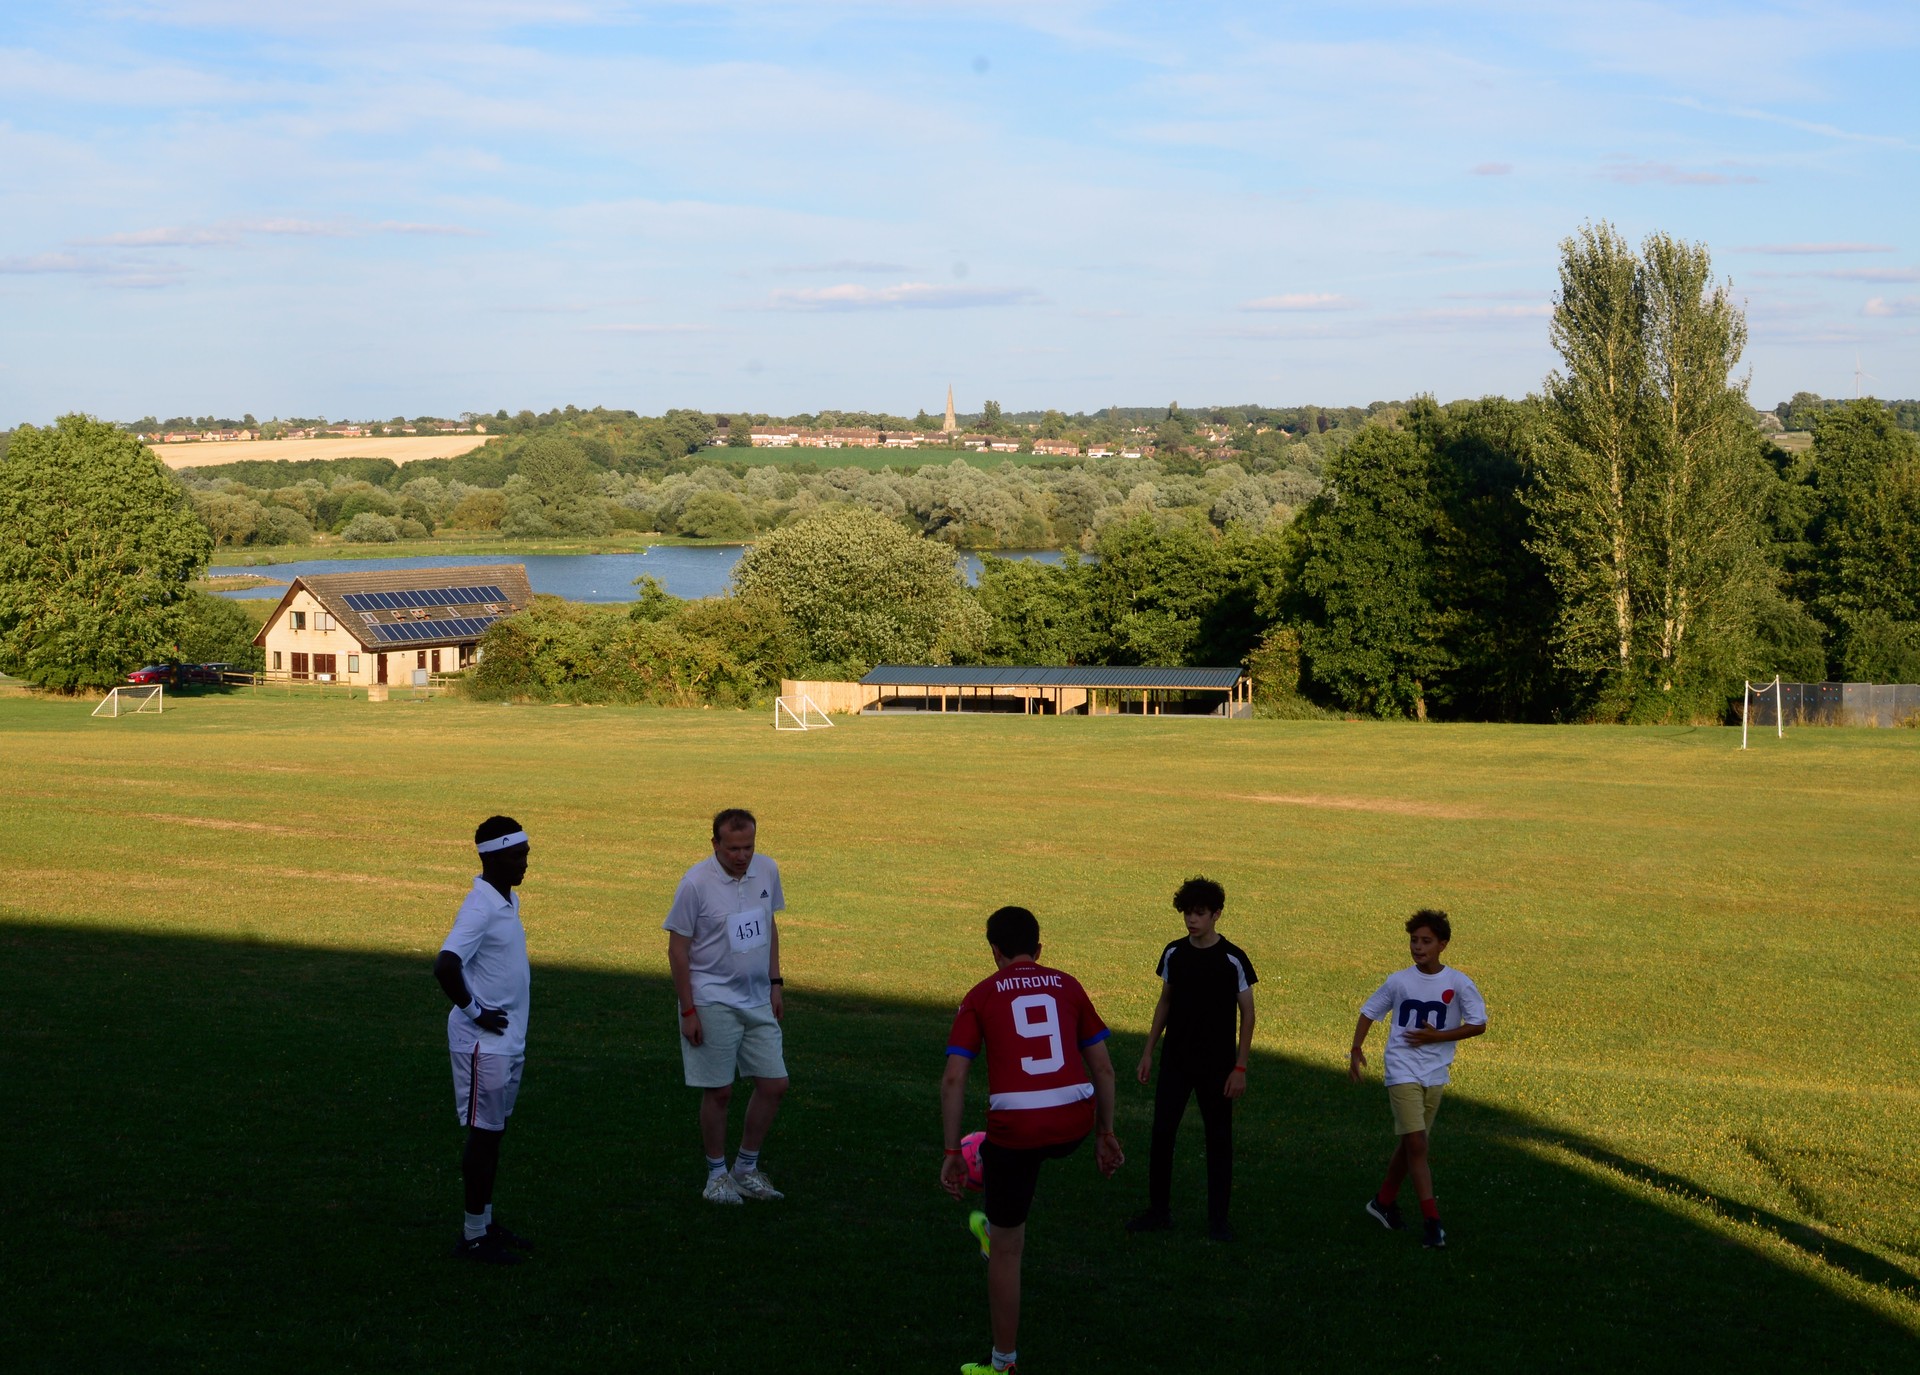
(414, 608)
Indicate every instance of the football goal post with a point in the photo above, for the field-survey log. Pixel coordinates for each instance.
(798, 713)
(131, 701)
(1752, 694)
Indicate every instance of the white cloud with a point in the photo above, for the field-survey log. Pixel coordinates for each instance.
(645, 329)
(904, 296)
(842, 265)
(1881, 307)
(1302, 301)
(1491, 169)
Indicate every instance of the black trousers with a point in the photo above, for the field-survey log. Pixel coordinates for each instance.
(1180, 1080)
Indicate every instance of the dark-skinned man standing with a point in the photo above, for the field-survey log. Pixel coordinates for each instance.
(482, 968)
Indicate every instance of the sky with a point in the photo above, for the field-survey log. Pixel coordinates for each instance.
(371, 208)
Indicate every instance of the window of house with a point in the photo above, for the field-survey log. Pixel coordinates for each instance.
(353, 663)
(276, 661)
(324, 667)
(298, 618)
(323, 620)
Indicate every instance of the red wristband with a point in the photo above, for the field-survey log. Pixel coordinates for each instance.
(1239, 1069)
(688, 1011)
(955, 1150)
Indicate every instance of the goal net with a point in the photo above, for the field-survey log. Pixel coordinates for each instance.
(798, 713)
(1753, 696)
(131, 701)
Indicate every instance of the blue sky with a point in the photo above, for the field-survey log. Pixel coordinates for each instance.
(373, 207)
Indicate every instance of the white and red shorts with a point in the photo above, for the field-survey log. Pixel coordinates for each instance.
(485, 1087)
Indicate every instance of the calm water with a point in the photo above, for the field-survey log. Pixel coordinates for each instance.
(684, 570)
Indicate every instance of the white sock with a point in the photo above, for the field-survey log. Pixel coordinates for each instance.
(716, 1165)
(476, 1225)
(487, 1213)
(1003, 1360)
(746, 1162)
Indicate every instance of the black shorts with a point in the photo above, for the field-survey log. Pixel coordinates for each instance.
(1010, 1173)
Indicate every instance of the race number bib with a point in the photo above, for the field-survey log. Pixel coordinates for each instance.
(749, 931)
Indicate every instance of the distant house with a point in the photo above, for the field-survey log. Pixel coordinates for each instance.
(1098, 450)
(773, 436)
(1004, 445)
(902, 439)
(380, 627)
(853, 439)
(1065, 448)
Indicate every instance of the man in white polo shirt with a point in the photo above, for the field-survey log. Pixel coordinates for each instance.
(724, 949)
(482, 968)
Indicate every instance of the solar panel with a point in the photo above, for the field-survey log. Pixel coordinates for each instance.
(452, 628)
(359, 601)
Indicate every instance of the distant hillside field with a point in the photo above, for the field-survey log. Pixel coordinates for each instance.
(404, 449)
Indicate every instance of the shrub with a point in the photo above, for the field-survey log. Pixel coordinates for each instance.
(367, 528)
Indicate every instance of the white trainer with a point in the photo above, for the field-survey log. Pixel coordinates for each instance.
(756, 1186)
(720, 1189)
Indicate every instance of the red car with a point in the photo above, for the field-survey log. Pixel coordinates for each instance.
(178, 675)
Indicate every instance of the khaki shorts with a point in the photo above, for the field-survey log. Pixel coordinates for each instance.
(1414, 1106)
(733, 1040)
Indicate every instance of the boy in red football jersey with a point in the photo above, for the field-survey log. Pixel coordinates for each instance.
(1042, 1100)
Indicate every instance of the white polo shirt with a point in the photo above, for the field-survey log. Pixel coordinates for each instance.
(730, 923)
(492, 946)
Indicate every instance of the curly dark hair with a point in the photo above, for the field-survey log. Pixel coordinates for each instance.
(1199, 894)
(1434, 920)
(1014, 931)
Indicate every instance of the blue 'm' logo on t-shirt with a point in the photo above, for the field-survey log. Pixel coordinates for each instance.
(1417, 1013)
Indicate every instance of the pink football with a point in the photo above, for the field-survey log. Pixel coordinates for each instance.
(970, 1154)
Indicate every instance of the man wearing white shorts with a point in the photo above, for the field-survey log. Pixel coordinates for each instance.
(724, 949)
(482, 968)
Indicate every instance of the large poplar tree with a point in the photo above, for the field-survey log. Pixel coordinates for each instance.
(1649, 490)
(97, 544)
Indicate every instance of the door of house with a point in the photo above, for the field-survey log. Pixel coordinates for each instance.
(324, 666)
(436, 661)
(380, 668)
(421, 660)
(299, 662)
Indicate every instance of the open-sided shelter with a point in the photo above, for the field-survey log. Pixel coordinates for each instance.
(1031, 689)
(379, 627)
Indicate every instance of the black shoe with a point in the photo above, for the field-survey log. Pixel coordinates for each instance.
(1435, 1239)
(507, 1237)
(486, 1251)
(1220, 1231)
(1388, 1215)
(1150, 1221)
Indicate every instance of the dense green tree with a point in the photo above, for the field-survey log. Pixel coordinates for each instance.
(715, 515)
(1865, 545)
(1038, 613)
(861, 590)
(1495, 606)
(990, 421)
(214, 630)
(740, 432)
(97, 545)
(1651, 485)
(1373, 640)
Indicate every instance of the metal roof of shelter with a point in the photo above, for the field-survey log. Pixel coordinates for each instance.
(1031, 675)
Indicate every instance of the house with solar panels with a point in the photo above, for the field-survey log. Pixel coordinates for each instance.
(382, 627)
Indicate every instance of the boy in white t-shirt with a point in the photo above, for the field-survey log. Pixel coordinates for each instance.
(1432, 1007)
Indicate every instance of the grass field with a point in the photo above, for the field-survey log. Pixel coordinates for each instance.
(399, 448)
(1686, 1143)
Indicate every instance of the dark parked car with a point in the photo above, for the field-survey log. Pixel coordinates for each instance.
(179, 675)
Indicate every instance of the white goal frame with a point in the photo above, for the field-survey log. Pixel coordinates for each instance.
(1779, 708)
(799, 713)
(132, 701)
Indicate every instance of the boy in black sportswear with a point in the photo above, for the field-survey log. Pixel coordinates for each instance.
(1206, 981)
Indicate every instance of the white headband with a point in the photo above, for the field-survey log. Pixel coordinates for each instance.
(505, 842)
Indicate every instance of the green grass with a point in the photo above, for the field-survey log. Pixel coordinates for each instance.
(1685, 1143)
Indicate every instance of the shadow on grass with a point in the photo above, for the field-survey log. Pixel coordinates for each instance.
(230, 1156)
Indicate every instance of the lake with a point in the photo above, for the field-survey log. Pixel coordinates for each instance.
(685, 570)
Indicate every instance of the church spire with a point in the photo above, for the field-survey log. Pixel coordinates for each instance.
(949, 425)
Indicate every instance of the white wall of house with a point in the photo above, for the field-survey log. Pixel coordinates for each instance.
(304, 633)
